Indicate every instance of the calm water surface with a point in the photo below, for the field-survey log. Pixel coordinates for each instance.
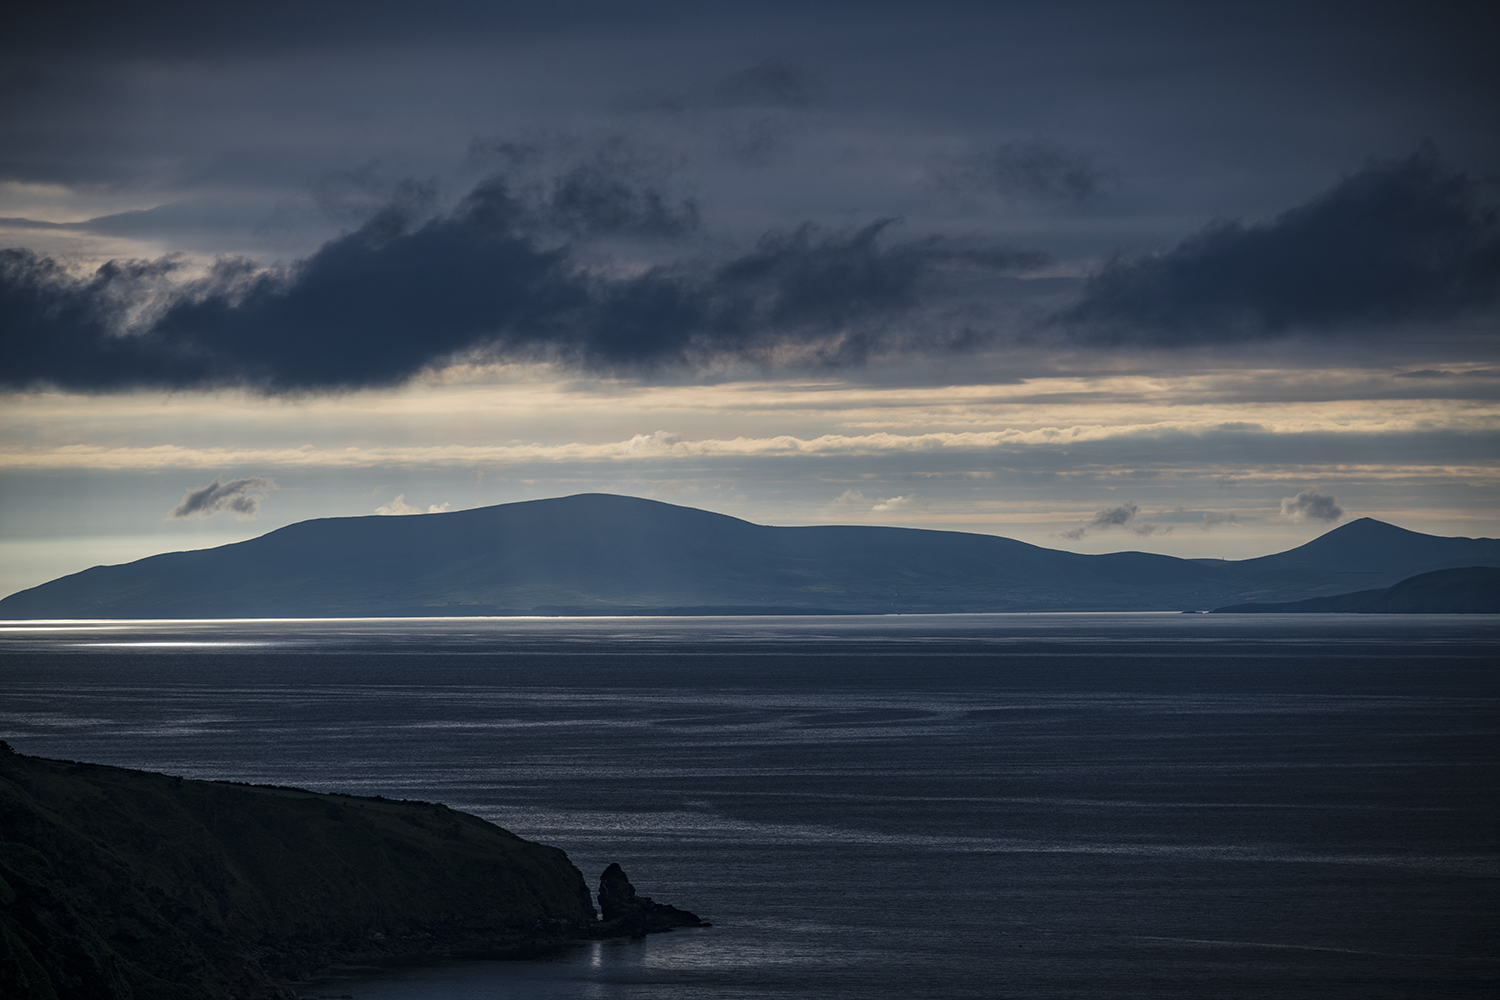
(943, 806)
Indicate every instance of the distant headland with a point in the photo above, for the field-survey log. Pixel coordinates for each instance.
(1467, 591)
(600, 554)
(118, 883)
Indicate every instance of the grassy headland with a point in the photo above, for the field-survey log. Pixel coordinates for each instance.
(117, 883)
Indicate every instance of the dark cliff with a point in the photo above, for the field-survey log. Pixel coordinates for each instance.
(117, 883)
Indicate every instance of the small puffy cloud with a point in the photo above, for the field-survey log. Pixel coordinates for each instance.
(1311, 505)
(1212, 520)
(854, 498)
(1116, 516)
(240, 497)
(660, 441)
(400, 506)
(1122, 516)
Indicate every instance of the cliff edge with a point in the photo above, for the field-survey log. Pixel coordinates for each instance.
(117, 883)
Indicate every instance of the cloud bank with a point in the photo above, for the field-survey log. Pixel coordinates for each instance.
(510, 273)
(397, 295)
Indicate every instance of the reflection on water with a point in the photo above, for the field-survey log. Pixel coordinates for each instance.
(648, 967)
(944, 806)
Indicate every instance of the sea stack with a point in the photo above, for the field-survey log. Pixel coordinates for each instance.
(626, 913)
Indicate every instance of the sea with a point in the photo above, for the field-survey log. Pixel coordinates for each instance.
(954, 806)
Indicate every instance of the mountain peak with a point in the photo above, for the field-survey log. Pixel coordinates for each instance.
(1368, 545)
(1367, 530)
(1366, 527)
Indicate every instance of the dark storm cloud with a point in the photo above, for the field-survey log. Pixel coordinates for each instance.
(399, 294)
(504, 275)
(241, 497)
(1397, 241)
(54, 322)
(1039, 170)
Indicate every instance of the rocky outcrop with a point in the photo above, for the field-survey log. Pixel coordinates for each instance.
(626, 913)
(117, 883)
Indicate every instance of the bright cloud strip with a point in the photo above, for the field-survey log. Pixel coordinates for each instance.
(640, 447)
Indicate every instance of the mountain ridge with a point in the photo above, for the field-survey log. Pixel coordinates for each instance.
(595, 553)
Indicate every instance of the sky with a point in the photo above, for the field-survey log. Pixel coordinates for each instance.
(1205, 279)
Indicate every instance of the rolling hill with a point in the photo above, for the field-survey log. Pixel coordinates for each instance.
(605, 554)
